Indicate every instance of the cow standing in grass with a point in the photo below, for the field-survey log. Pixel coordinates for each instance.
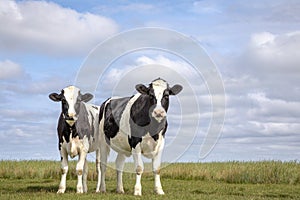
(136, 126)
(77, 134)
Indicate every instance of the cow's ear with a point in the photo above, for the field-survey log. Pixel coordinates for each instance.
(55, 97)
(175, 89)
(142, 89)
(86, 97)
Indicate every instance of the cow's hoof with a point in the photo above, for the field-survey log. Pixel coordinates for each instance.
(61, 190)
(159, 191)
(137, 191)
(79, 190)
(120, 191)
(85, 189)
(101, 191)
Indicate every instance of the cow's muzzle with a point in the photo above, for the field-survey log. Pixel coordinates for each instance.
(159, 114)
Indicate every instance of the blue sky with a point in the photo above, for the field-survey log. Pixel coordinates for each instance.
(255, 47)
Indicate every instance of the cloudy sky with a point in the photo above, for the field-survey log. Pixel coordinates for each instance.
(254, 47)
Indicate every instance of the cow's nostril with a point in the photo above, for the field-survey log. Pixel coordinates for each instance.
(159, 113)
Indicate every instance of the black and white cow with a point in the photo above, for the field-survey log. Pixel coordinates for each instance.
(136, 126)
(77, 134)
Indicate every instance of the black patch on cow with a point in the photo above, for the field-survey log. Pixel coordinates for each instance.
(64, 105)
(139, 112)
(113, 113)
(165, 100)
(64, 130)
(153, 128)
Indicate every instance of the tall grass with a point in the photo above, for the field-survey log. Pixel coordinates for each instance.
(266, 172)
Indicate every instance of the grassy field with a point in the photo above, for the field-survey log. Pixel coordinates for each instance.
(231, 180)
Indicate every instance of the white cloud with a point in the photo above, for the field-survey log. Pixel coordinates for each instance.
(262, 39)
(47, 27)
(130, 7)
(275, 128)
(20, 133)
(270, 65)
(275, 110)
(206, 7)
(136, 7)
(10, 70)
(276, 53)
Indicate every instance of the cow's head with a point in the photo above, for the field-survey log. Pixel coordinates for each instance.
(158, 94)
(70, 98)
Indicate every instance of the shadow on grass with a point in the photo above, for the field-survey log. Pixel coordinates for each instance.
(53, 189)
(44, 189)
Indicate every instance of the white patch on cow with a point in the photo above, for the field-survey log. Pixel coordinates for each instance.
(150, 147)
(159, 86)
(124, 122)
(76, 145)
(71, 95)
(120, 142)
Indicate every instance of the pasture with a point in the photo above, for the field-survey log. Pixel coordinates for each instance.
(230, 180)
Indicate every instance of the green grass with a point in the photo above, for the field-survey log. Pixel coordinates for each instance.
(231, 180)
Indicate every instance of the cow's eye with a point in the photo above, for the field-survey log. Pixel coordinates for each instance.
(151, 96)
(166, 96)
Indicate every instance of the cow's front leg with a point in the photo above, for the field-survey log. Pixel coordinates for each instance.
(120, 161)
(156, 162)
(64, 170)
(79, 170)
(139, 168)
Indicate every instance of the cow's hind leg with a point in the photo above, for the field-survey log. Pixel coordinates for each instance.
(98, 170)
(64, 171)
(104, 149)
(84, 176)
(120, 166)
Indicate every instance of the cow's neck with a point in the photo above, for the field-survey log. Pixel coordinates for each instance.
(71, 130)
